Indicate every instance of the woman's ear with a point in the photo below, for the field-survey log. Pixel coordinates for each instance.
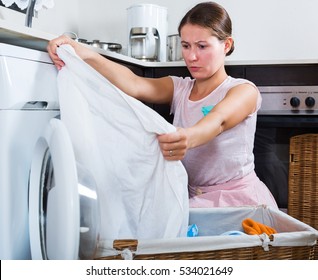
(228, 44)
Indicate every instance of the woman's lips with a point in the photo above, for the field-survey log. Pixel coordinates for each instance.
(194, 68)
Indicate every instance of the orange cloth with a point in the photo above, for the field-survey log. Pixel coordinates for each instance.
(252, 227)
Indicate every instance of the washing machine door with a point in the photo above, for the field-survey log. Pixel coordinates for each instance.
(64, 218)
(54, 207)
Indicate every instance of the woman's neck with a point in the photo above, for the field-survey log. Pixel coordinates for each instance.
(203, 87)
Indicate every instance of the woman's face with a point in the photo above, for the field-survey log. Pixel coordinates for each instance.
(203, 53)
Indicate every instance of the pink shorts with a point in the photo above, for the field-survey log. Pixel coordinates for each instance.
(246, 191)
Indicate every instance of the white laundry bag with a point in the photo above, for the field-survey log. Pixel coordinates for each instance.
(114, 136)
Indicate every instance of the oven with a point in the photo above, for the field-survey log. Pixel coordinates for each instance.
(286, 111)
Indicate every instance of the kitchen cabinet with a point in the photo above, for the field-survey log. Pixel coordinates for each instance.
(261, 75)
(283, 75)
(182, 71)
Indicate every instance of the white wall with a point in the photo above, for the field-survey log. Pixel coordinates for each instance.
(262, 30)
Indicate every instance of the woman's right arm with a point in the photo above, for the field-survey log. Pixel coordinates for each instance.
(152, 90)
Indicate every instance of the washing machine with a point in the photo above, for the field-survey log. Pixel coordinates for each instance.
(48, 203)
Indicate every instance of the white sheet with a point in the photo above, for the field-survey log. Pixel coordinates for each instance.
(114, 136)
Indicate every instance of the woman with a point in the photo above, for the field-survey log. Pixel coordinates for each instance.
(215, 113)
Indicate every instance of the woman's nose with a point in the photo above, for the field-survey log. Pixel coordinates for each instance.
(192, 55)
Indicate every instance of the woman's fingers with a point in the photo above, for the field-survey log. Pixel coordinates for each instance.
(52, 49)
(173, 145)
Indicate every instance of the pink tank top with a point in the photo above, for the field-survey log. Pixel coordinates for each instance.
(229, 156)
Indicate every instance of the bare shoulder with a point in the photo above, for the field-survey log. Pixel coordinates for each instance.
(244, 88)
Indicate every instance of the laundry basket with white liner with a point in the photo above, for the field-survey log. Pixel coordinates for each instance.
(294, 240)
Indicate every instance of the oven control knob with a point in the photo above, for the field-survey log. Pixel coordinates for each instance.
(310, 101)
(294, 102)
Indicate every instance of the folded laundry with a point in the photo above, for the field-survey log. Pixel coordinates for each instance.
(252, 227)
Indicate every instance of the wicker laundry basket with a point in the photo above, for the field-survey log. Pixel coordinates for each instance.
(294, 240)
(303, 179)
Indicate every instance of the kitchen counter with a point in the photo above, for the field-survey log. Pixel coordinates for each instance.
(23, 36)
(35, 39)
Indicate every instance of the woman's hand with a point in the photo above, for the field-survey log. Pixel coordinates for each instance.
(52, 47)
(174, 145)
(82, 51)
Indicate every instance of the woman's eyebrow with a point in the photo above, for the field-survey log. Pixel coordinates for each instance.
(196, 42)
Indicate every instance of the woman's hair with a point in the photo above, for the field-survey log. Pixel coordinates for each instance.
(212, 16)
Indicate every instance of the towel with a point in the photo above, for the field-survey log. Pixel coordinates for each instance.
(23, 4)
(252, 227)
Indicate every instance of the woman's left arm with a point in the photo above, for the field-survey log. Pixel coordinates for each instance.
(239, 102)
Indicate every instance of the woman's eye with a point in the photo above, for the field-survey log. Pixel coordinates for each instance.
(185, 46)
(201, 47)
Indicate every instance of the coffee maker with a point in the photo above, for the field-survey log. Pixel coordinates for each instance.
(147, 32)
